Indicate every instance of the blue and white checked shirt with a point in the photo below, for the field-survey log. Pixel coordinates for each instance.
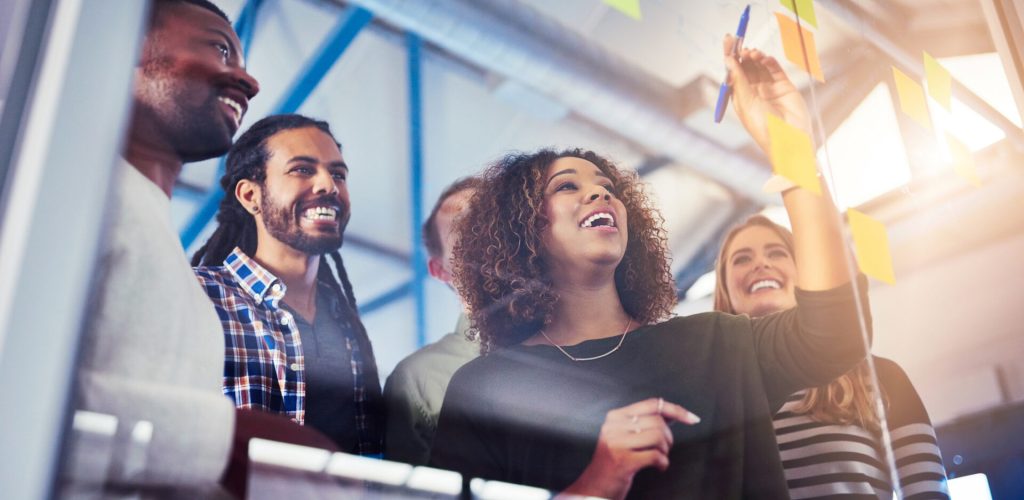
(263, 362)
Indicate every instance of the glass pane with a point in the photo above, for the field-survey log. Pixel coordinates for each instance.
(594, 330)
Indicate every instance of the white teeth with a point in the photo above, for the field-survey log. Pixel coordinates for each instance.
(603, 215)
(235, 106)
(765, 284)
(320, 213)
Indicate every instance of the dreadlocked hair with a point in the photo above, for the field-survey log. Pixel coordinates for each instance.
(247, 159)
(342, 287)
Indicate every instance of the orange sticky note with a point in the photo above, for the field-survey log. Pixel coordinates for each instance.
(912, 100)
(963, 160)
(939, 81)
(794, 49)
(872, 245)
(630, 8)
(802, 8)
(792, 154)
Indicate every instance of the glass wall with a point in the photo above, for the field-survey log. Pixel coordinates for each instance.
(915, 130)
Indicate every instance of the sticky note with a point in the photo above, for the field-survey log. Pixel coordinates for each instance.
(912, 99)
(963, 160)
(630, 8)
(792, 154)
(939, 81)
(794, 49)
(872, 245)
(802, 8)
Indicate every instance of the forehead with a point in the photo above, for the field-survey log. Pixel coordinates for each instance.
(581, 166)
(179, 18)
(307, 141)
(756, 238)
(456, 201)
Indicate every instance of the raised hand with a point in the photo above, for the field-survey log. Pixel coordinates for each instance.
(632, 438)
(760, 86)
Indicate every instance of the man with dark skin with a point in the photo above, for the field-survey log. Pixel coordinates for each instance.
(153, 351)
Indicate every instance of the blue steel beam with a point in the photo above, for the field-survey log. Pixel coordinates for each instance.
(352, 22)
(396, 293)
(245, 25)
(419, 266)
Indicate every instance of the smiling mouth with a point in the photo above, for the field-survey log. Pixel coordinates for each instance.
(602, 219)
(765, 284)
(235, 106)
(321, 213)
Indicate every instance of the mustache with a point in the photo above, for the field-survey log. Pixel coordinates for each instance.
(326, 201)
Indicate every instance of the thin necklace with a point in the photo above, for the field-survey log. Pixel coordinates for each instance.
(570, 356)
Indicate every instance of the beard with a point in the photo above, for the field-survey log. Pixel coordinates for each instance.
(283, 225)
(185, 110)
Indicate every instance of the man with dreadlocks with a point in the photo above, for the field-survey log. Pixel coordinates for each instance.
(294, 342)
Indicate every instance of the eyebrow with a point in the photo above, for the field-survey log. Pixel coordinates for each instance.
(227, 39)
(310, 159)
(572, 171)
(767, 247)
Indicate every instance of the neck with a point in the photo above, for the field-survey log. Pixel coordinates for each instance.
(297, 270)
(154, 158)
(585, 311)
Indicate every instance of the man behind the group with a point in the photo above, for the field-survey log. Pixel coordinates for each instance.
(152, 350)
(294, 342)
(415, 389)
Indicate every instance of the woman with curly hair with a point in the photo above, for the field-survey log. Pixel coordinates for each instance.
(586, 386)
(829, 436)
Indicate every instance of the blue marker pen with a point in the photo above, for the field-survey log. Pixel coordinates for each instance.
(725, 90)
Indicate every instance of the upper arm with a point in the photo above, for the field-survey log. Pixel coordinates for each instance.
(812, 343)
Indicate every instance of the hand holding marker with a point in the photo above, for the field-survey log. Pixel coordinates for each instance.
(725, 90)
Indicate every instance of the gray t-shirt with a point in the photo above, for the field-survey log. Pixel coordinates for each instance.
(154, 349)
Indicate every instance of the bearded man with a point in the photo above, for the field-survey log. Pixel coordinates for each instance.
(294, 343)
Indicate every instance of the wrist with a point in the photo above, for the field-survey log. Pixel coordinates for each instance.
(601, 484)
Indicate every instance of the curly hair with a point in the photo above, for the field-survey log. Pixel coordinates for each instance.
(499, 267)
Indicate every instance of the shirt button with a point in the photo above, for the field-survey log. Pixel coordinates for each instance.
(294, 367)
(276, 287)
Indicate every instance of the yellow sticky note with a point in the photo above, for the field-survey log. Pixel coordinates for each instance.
(872, 245)
(630, 8)
(912, 100)
(794, 40)
(963, 160)
(802, 8)
(939, 81)
(792, 154)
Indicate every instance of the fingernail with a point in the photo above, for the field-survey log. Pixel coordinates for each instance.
(693, 418)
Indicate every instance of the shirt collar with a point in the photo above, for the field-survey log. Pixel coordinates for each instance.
(254, 278)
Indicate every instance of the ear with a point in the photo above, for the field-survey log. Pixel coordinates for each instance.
(437, 270)
(248, 193)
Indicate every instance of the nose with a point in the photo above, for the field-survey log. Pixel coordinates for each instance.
(246, 82)
(760, 262)
(323, 182)
(598, 192)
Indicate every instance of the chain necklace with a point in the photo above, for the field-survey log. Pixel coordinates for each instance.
(570, 356)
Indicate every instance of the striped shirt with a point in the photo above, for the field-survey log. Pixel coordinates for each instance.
(847, 461)
(264, 366)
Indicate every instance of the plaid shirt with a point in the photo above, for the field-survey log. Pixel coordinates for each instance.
(263, 363)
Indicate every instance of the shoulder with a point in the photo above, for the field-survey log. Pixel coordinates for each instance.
(904, 404)
(890, 375)
(707, 327)
(218, 283)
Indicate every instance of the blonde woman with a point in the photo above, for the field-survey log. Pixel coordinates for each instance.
(829, 435)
